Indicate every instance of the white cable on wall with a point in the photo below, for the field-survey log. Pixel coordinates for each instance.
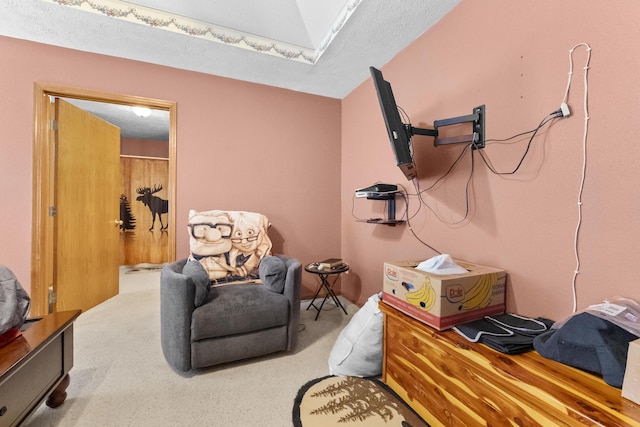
(584, 157)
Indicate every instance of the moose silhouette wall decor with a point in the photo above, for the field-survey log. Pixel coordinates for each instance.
(156, 205)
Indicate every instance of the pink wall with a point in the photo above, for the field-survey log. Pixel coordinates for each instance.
(283, 150)
(513, 57)
(240, 146)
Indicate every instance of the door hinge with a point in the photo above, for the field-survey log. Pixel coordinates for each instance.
(53, 211)
(52, 297)
(53, 125)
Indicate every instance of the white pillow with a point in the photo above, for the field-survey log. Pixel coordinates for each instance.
(358, 349)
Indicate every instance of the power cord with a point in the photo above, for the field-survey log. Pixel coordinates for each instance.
(420, 192)
(584, 157)
(467, 191)
(408, 219)
(548, 118)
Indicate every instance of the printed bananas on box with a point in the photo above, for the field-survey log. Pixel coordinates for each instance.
(424, 297)
(480, 293)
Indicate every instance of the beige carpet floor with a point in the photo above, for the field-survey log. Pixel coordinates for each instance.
(120, 377)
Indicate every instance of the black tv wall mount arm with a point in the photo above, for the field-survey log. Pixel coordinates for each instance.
(477, 137)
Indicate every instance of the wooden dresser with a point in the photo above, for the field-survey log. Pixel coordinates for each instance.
(35, 366)
(450, 381)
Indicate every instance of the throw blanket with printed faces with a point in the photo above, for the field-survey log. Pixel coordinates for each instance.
(229, 244)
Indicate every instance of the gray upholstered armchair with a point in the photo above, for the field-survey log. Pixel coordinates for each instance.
(202, 326)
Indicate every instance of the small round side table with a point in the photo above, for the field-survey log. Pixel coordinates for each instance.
(326, 285)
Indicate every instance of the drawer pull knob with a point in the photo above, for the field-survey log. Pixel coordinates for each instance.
(3, 410)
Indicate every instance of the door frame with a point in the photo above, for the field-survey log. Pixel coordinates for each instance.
(42, 233)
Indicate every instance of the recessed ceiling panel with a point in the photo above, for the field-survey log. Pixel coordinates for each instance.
(299, 22)
(276, 27)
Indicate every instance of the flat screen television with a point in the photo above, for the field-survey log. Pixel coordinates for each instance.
(399, 134)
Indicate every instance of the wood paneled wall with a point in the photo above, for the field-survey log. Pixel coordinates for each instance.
(142, 244)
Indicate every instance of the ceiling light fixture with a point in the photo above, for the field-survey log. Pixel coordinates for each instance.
(141, 111)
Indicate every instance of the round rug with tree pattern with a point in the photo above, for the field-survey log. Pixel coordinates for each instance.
(351, 401)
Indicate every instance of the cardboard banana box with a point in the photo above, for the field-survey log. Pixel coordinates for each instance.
(443, 301)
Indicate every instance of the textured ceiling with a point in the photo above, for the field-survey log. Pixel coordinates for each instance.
(375, 31)
(318, 47)
(155, 127)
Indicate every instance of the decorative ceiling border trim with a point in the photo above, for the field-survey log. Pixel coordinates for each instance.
(178, 24)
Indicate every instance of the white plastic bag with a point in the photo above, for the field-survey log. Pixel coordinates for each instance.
(358, 349)
(621, 311)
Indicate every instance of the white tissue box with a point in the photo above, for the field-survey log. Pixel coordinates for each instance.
(631, 383)
(444, 301)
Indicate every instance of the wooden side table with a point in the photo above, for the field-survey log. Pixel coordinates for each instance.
(326, 285)
(35, 366)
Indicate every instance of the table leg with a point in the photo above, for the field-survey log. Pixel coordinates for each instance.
(59, 394)
(314, 298)
(334, 296)
(329, 292)
(324, 284)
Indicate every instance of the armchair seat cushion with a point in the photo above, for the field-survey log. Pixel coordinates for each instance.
(238, 309)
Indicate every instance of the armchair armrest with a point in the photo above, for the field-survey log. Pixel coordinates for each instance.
(292, 290)
(177, 293)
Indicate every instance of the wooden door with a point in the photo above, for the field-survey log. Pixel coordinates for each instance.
(86, 235)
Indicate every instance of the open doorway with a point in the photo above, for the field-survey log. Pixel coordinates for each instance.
(44, 267)
(144, 172)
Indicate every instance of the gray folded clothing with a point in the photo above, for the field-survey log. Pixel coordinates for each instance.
(521, 324)
(507, 333)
